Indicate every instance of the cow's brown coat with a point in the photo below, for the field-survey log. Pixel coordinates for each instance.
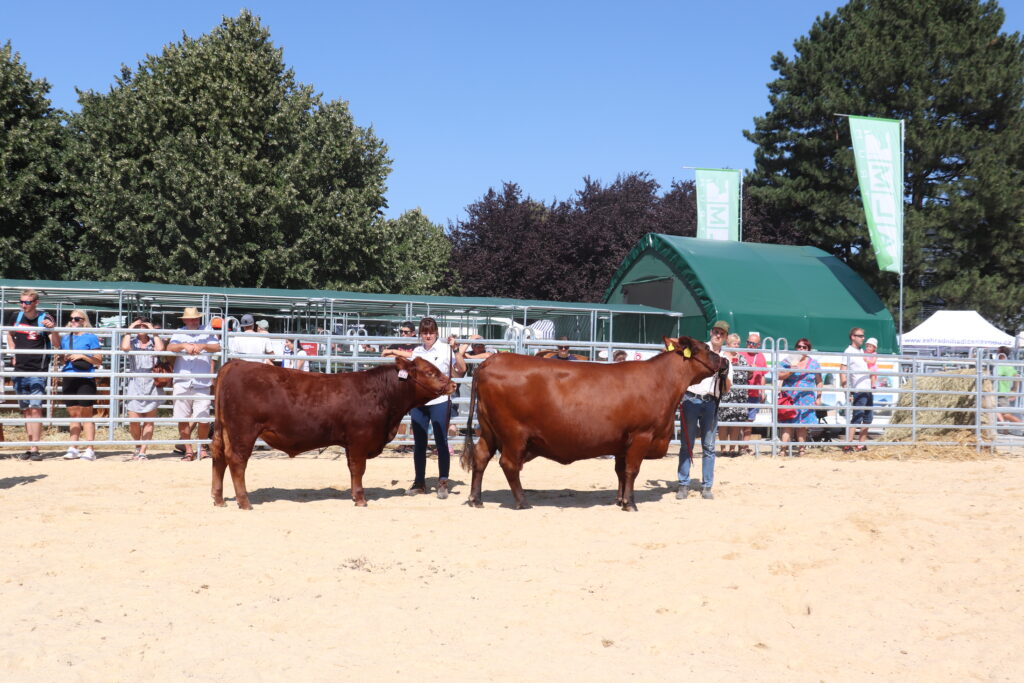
(295, 411)
(531, 407)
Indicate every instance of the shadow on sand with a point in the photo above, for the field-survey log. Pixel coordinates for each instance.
(273, 494)
(574, 498)
(11, 482)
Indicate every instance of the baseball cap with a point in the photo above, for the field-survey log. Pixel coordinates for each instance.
(722, 325)
(247, 321)
(263, 324)
(216, 323)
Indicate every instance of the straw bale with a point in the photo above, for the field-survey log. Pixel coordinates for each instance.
(964, 383)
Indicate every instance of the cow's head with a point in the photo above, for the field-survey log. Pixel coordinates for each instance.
(427, 379)
(703, 361)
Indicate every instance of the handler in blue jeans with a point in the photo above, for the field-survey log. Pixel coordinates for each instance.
(700, 412)
(435, 413)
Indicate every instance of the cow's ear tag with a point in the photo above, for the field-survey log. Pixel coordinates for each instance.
(403, 374)
(671, 346)
(686, 353)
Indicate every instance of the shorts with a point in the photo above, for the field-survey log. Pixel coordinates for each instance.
(36, 386)
(863, 399)
(185, 408)
(72, 386)
(752, 412)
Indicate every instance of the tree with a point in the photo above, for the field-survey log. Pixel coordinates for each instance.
(944, 67)
(517, 247)
(210, 165)
(419, 260)
(32, 209)
(503, 248)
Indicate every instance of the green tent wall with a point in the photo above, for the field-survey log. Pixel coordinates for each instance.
(778, 290)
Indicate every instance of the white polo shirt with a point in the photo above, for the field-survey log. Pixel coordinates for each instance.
(441, 357)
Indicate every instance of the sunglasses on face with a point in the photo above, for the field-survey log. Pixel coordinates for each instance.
(76, 319)
(858, 335)
(751, 343)
(26, 303)
(406, 331)
(801, 347)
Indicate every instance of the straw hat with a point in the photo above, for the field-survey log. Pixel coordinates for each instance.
(191, 312)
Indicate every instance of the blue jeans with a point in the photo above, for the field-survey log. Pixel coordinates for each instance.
(435, 417)
(702, 414)
(29, 385)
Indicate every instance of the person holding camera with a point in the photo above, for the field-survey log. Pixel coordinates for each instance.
(81, 381)
(434, 414)
(139, 386)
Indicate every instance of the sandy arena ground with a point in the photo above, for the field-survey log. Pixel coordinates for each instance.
(801, 570)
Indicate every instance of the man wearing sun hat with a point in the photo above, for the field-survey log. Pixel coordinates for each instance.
(700, 414)
(195, 347)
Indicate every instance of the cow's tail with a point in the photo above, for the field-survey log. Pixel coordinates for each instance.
(468, 447)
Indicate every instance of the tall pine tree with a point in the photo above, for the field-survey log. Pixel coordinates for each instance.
(949, 72)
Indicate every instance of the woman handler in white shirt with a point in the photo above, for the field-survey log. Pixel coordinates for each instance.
(436, 412)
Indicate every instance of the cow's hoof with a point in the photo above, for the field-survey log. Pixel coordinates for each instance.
(523, 506)
(244, 506)
(629, 507)
(475, 503)
(360, 503)
(219, 504)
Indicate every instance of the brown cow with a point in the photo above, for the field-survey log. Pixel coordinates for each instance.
(532, 407)
(297, 411)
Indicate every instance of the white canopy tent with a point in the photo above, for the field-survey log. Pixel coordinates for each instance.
(962, 329)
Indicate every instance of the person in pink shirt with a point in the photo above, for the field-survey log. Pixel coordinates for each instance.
(753, 358)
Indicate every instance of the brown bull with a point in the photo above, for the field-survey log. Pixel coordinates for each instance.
(295, 411)
(531, 407)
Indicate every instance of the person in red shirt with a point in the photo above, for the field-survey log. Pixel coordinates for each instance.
(753, 358)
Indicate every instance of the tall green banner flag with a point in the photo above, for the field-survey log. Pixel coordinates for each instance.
(718, 204)
(878, 150)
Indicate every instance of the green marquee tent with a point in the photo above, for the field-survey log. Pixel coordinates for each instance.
(778, 290)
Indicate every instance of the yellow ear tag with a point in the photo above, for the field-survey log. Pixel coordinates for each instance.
(671, 346)
(686, 353)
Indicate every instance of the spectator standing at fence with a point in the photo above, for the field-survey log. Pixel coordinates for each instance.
(855, 376)
(403, 350)
(474, 351)
(734, 395)
(753, 359)
(619, 356)
(250, 345)
(81, 383)
(561, 353)
(801, 378)
(294, 355)
(145, 347)
(30, 335)
(191, 393)
(1007, 388)
(700, 412)
(435, 414)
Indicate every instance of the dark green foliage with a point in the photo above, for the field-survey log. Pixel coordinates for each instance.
(209, 165)
(418, 261)
(31, 206)
(944, 67)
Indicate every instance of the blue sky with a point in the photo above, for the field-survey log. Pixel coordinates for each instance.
(468, 95)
